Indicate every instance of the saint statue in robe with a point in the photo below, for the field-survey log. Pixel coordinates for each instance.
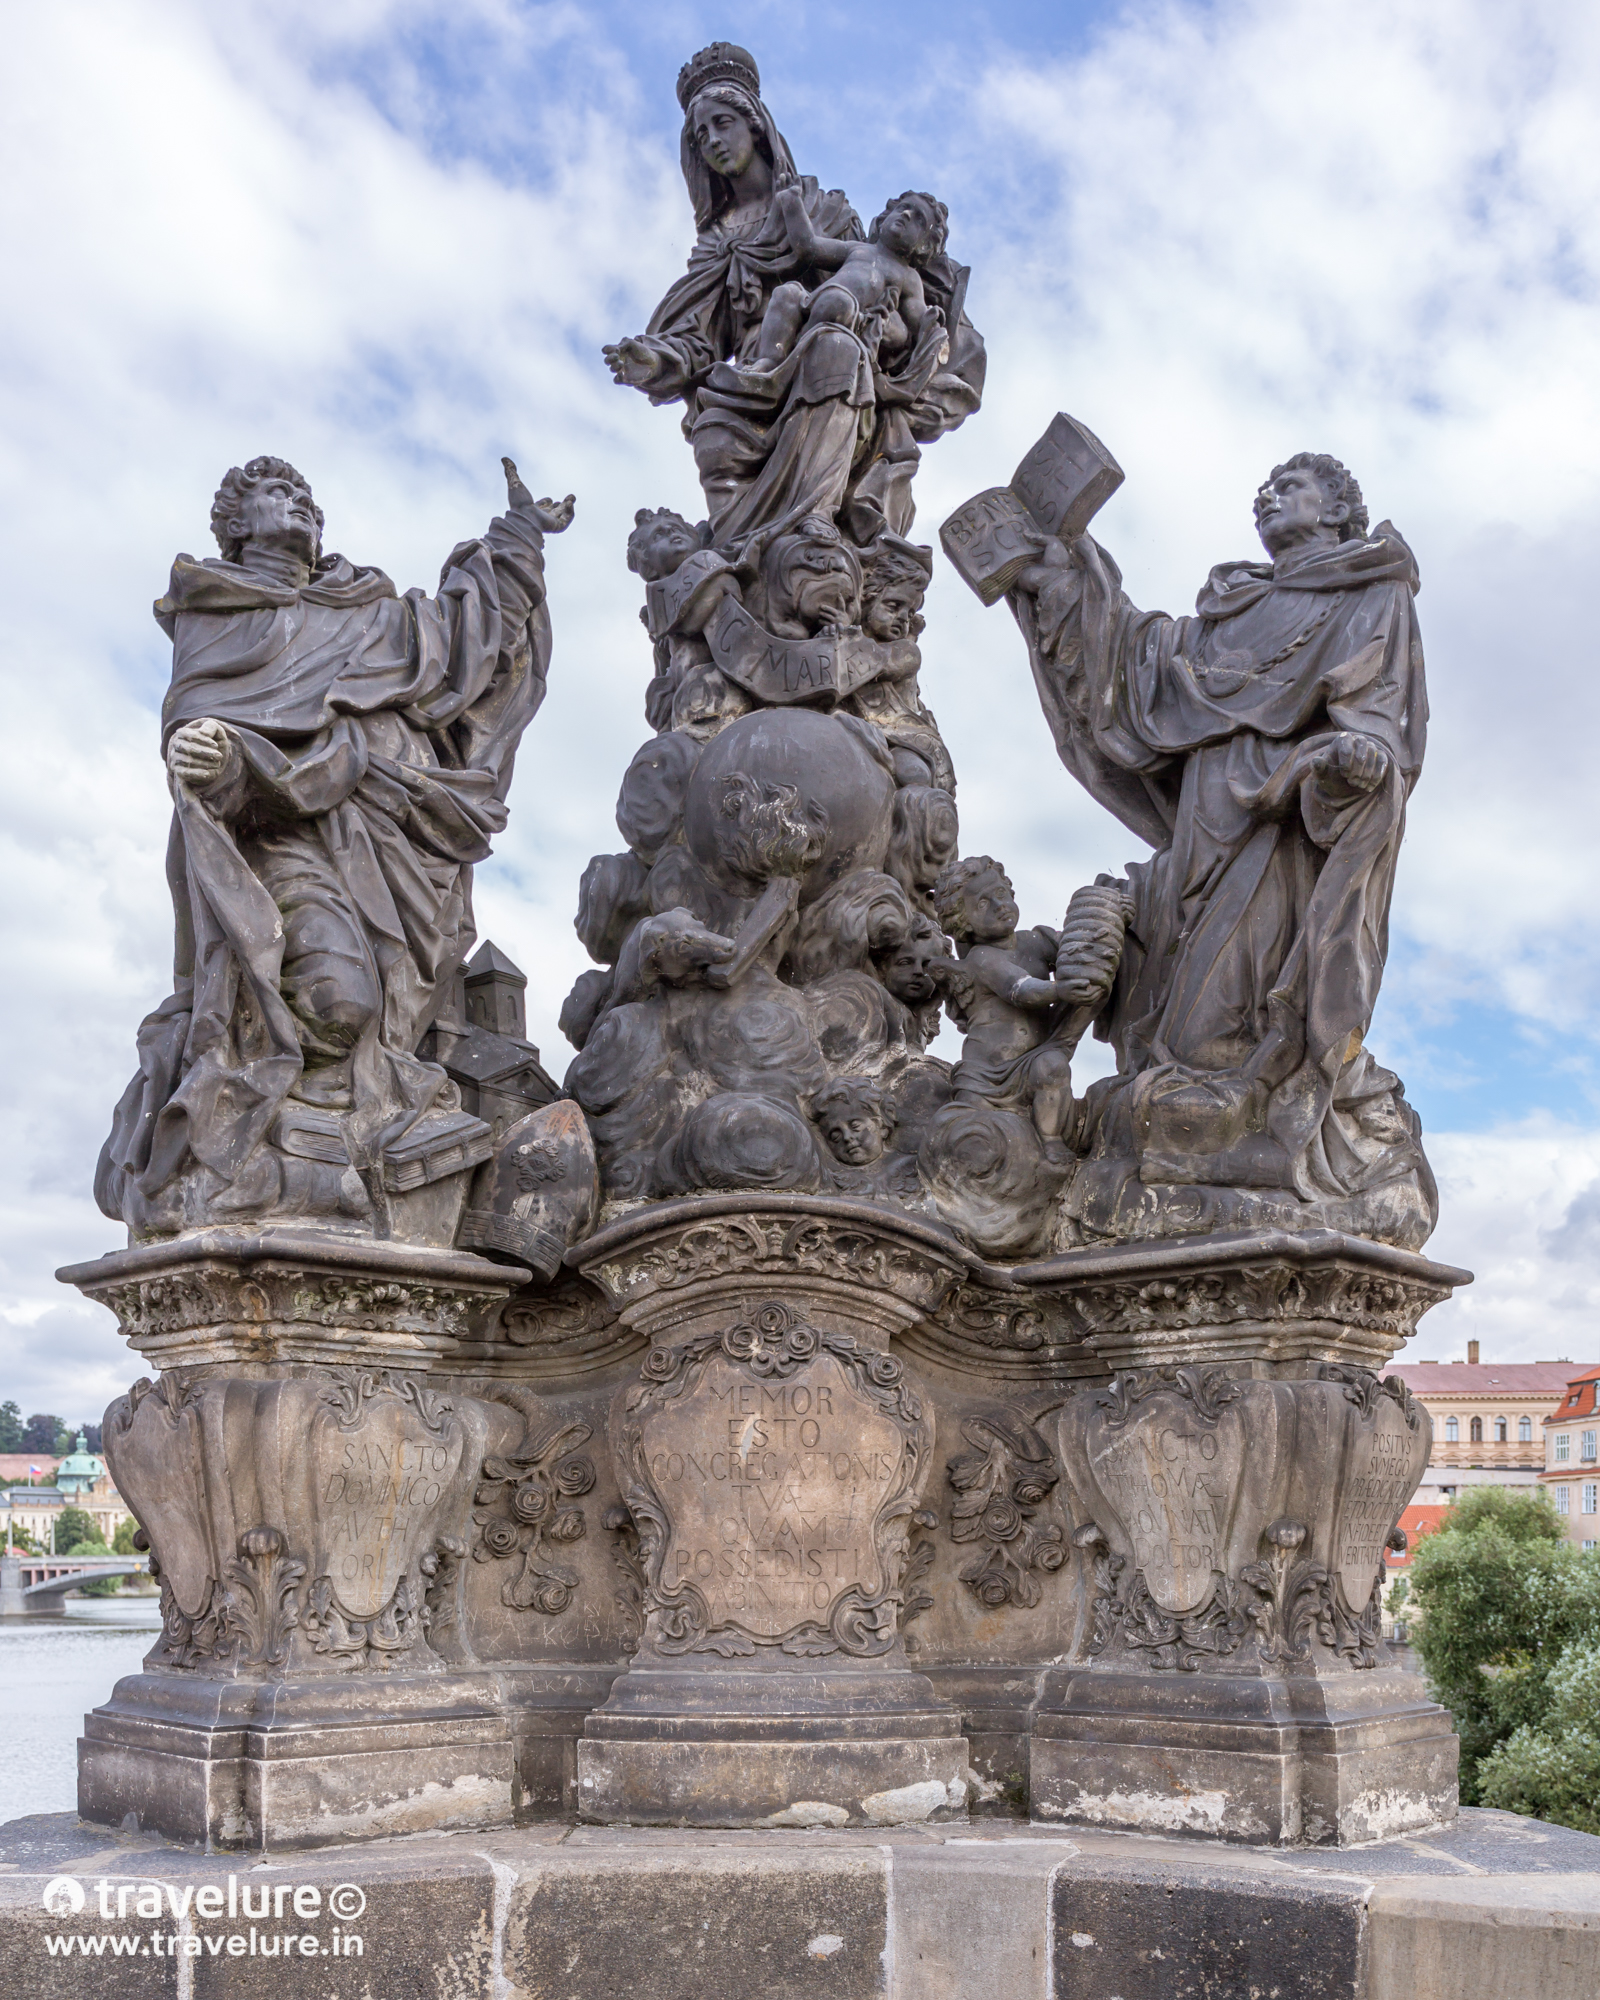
(339, 757)
(1265, 748)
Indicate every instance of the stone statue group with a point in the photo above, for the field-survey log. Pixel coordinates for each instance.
(791, 909)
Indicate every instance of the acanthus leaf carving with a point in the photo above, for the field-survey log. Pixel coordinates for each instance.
(523, 1511)
(260, 1607)
(1004, 1488)
(1207, 1388)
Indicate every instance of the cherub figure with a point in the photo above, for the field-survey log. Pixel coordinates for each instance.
(870, 280)
(685, 580)
(857, 1119)
(1021, 1024)
(895, 578)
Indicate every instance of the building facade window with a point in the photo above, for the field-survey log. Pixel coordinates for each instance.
(1563, 1447)
(1591, 1496)
(1477, 1430)
(1500, 1431)
(1586, 1450)
(1452, 1433)
(1524, 1430)
(1563, 1500)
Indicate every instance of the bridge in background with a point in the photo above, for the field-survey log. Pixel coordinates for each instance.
(32, 1584)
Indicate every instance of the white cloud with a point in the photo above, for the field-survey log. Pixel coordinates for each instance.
(1218, 235)
(1518, 1207)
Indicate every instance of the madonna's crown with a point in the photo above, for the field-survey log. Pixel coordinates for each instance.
(722, 62)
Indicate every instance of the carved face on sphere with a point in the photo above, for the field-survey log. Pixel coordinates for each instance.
(906, 970)
(814, 580)
(1292, 506)
(723, 136)
(856, 1122)
(661, 543)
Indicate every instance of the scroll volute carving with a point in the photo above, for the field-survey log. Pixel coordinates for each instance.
(299, 1524)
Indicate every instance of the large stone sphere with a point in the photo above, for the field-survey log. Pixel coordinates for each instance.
(837, 764)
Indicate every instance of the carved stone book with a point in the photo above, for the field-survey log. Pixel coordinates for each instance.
(1057, 490)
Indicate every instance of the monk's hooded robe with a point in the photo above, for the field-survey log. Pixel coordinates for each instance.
(373, 737)
(1259, 927)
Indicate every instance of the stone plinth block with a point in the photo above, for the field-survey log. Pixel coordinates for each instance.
(1493, 1908)
(304, 1480)
(771, 1455)
(1236, 1481)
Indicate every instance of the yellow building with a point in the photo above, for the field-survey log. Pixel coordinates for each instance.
(1488, 1419)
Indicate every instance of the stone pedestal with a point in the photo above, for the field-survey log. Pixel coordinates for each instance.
(1237, 1479)
(772, 1457)
(305, 1485)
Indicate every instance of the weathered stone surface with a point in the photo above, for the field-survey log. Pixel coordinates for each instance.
(1339, 1762)
(1493, 1908)
(1441, 1939)
(286, 1764)
(588, 1924)
(294, 1295)
(1144, 1935)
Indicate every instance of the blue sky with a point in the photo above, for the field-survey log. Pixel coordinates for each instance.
(386, 238)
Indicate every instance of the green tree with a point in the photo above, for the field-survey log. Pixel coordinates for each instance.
(40, 1434)
(1501, 1593)
(1551, 1770)
(11, 1427)
(78, 1534)
(22, 1543)
(122, 1540)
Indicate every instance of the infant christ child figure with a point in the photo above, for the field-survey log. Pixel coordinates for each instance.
(869, 280)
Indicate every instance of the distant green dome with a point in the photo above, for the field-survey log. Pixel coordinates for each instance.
(80, 1468)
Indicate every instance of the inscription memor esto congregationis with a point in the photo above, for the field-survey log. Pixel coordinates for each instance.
(772, 1490)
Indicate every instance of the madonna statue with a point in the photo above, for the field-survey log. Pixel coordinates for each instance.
(813, 360)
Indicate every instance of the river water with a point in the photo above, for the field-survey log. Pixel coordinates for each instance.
(52, 1672)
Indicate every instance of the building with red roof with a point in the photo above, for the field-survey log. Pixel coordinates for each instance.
(1571, 1472)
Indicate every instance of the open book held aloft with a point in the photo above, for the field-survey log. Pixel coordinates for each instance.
(1056, 491)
